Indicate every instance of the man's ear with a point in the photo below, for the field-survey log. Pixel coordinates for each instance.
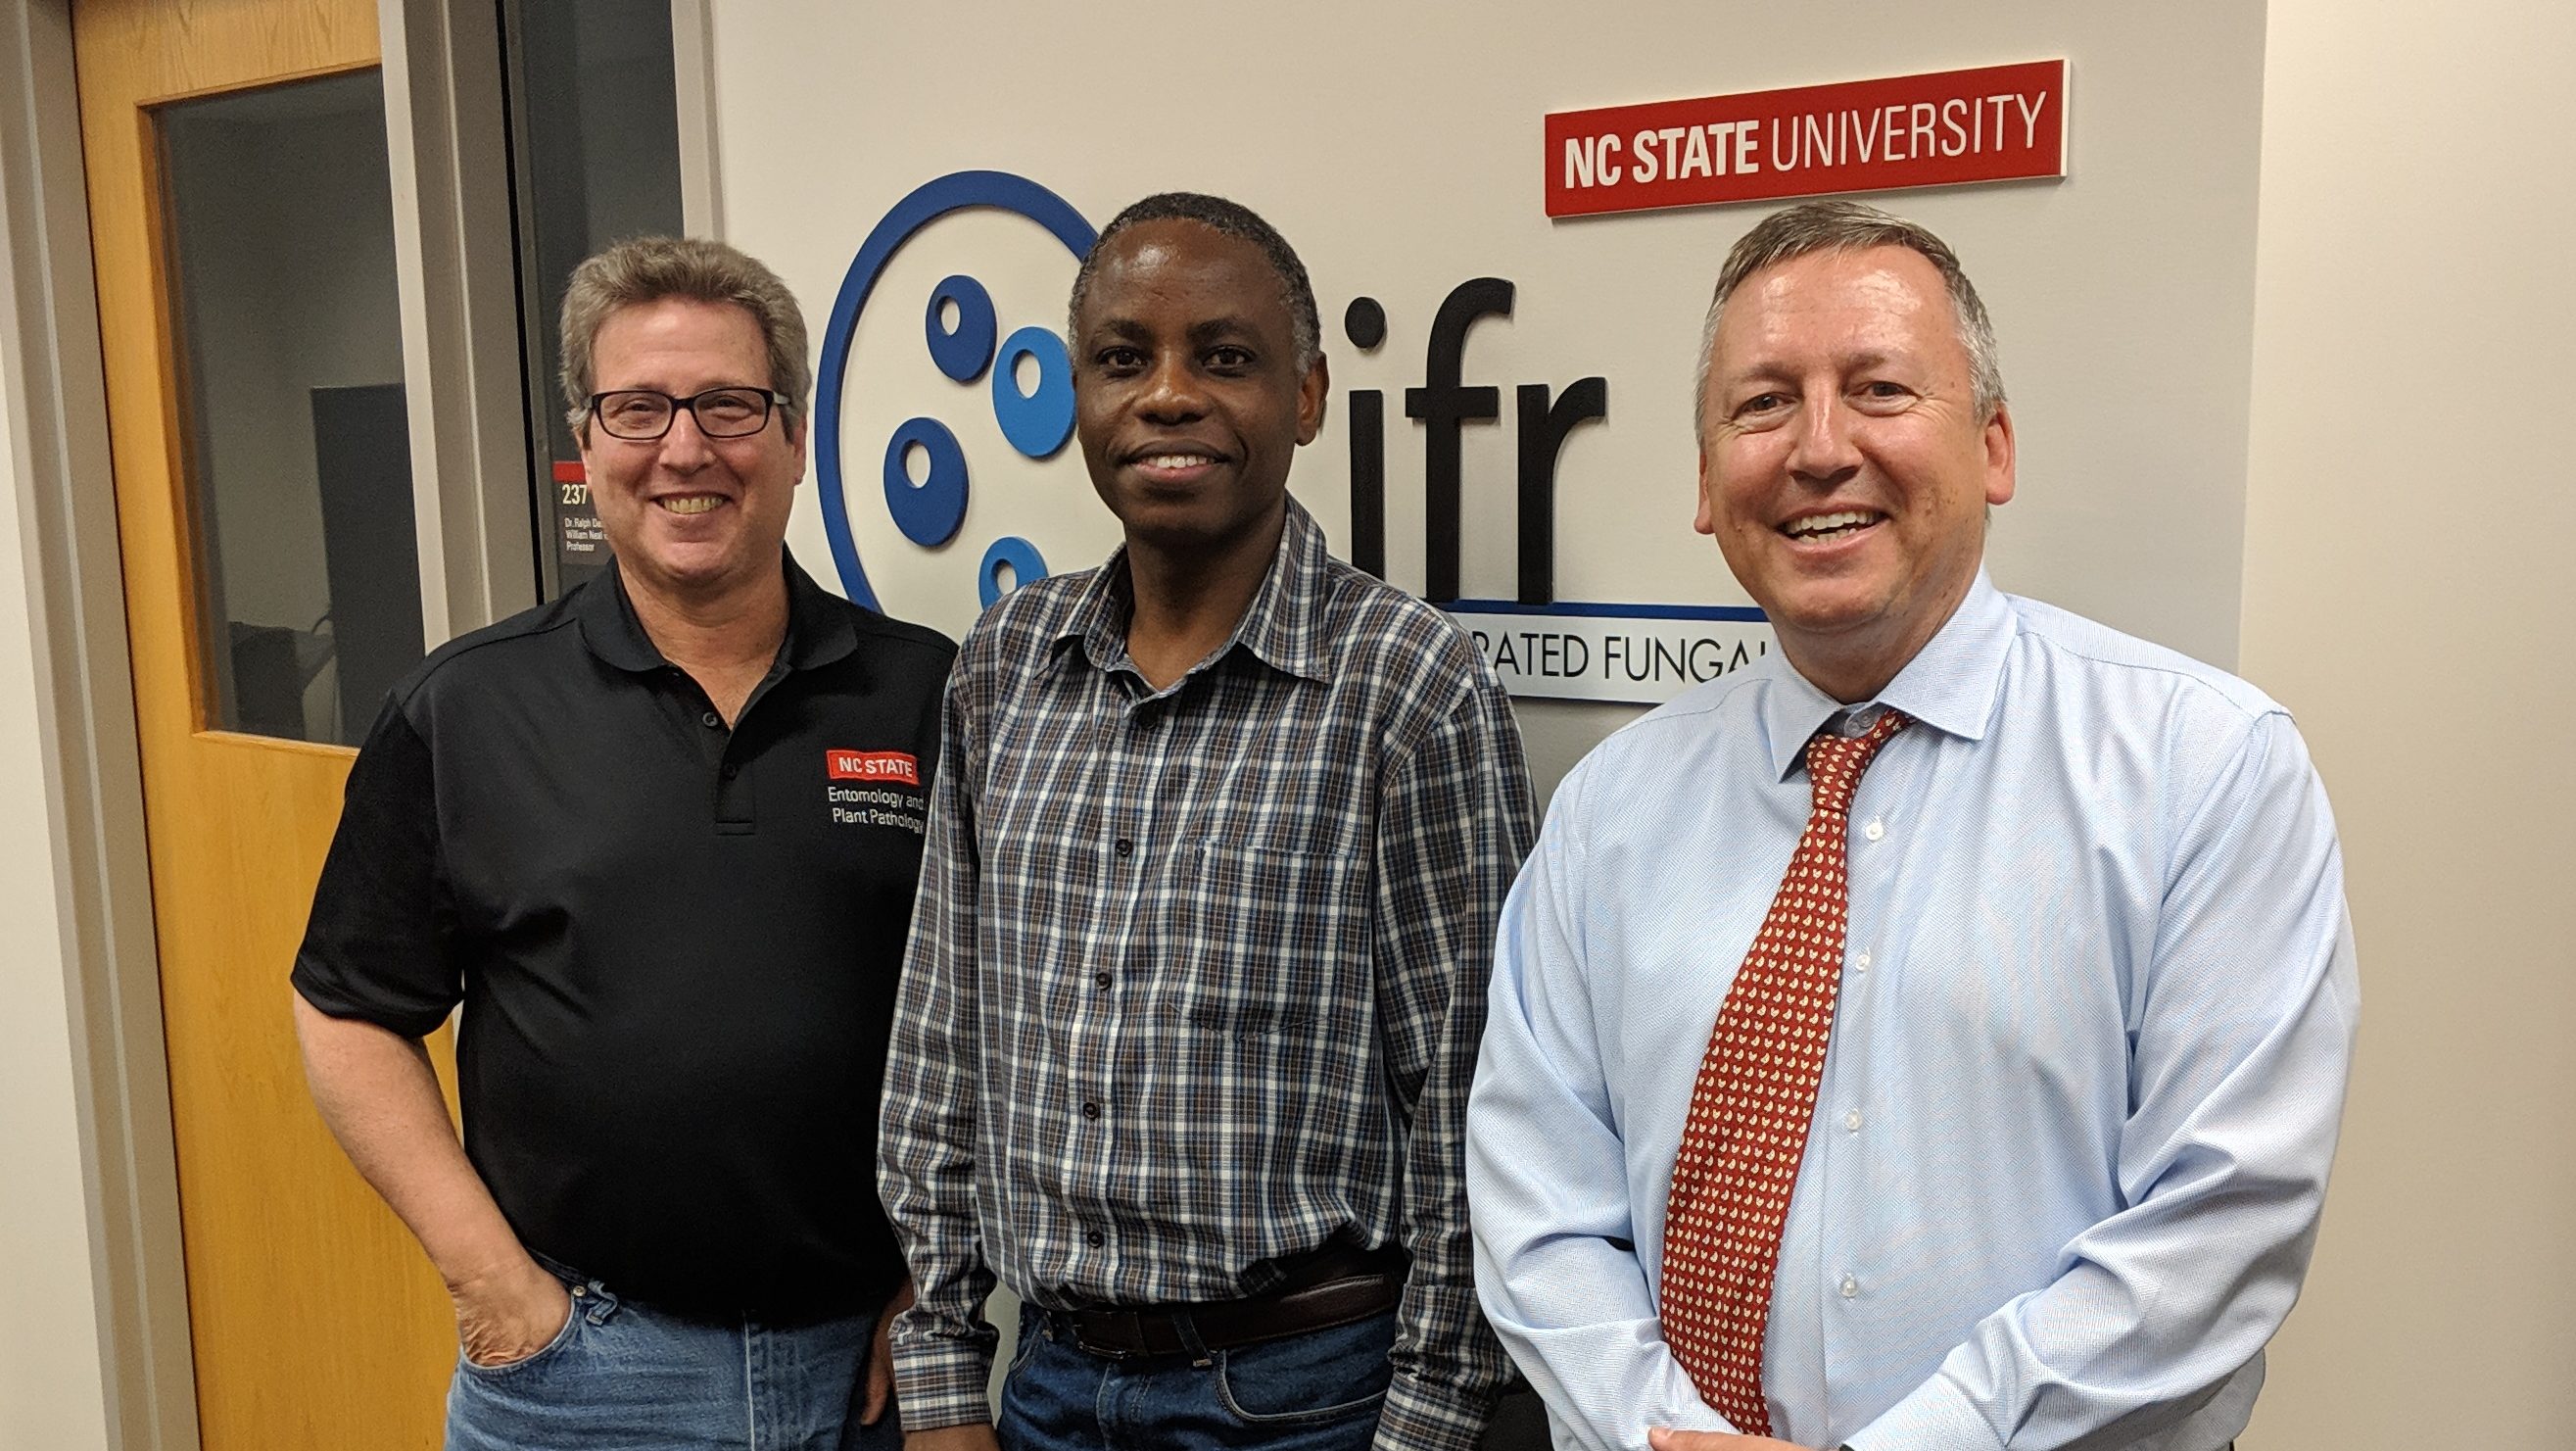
(2001, 456)
(1312, 391)
(1706, 520)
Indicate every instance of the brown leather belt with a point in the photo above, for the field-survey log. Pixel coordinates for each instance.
(1332, 1286)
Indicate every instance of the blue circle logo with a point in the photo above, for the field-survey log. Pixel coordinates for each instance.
(959, 328)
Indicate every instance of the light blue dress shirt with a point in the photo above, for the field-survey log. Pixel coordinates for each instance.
(2087, 1065)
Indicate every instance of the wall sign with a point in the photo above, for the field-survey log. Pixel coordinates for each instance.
(1994, 123)
(1537, 643)
(1641, 654)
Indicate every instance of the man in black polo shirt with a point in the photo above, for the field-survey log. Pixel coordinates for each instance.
(660, 838)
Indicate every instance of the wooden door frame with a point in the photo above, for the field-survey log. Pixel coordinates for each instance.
(456, 276)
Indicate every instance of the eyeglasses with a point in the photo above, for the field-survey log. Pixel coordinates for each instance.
(641, 415)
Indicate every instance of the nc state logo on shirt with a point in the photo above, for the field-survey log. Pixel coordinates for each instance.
(896, 766)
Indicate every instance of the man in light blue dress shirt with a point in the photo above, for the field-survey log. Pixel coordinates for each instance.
(2097, 999)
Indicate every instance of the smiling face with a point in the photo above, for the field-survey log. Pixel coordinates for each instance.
(1187, 395)
(1845, 471)
(693, 519)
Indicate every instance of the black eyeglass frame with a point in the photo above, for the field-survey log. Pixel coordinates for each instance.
(771, 401)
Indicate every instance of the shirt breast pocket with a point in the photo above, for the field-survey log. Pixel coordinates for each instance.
(1265, 942)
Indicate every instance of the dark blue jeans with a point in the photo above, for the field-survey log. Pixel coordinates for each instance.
(1315, 1392)
(624, 1377)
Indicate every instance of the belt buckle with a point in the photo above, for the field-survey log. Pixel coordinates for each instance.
(1125, 1321)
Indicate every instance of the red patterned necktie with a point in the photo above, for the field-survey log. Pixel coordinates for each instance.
(1755, 1097)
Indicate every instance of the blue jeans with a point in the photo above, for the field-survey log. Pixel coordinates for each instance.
(1314, 1392)
(624, 1377)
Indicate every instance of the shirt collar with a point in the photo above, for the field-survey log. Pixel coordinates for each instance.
(1282, 626)
(818, 630)
(1950, 684)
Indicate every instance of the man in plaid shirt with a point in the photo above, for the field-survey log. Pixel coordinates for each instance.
(1198, 971)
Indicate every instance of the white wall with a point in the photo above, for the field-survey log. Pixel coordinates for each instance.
(1400, 149)
(2410, 515)
(51, 1377)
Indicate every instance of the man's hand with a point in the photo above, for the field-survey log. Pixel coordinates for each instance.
(505, 1317)
(977, 1437)
(881, 1357)
(1659, 1438)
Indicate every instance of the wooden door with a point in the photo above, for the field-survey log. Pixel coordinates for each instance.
(316, 1321)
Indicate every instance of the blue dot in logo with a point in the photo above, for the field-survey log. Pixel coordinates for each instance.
(961, 352)
(929, 512)
(924, 205)
(1025, 565)
(1037, 424)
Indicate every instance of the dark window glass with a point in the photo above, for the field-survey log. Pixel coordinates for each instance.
(595, 159)
(279, 221)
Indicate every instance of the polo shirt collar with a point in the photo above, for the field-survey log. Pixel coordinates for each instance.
(1282, 626)
(818, 631)
(1950, 684)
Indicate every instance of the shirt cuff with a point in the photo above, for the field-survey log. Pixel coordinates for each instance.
(1935, 1413)
(940, 1384)
(1419, 1416)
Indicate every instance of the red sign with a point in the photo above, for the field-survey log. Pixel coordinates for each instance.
(1989, 124)
(873, 766)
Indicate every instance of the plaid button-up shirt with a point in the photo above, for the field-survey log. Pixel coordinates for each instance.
(1197, 975)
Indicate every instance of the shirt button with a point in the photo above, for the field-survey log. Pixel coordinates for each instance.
(1103, 979)
(1851, 1121)
(711, 720)
(1850, 1287)
(1875, 829)
(731, 770)
(1096, 1239)
(1091, 1110)
(1860, 960)
(1125, 846)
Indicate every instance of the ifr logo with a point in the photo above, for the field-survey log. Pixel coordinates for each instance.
(921, 472)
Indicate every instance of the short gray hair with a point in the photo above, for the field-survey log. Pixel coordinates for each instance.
(649, 269)
(1848, 226)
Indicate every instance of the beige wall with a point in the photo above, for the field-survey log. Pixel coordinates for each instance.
(2408, 594)
(51, 1376)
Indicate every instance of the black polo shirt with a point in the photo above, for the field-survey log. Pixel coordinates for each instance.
(676, 945)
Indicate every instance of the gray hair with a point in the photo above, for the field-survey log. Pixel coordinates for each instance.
(1848, 226)
(649, 269)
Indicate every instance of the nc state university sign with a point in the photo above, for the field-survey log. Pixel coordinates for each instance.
(1995, 123)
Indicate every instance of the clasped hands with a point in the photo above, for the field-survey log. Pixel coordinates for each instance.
(1662, 1439)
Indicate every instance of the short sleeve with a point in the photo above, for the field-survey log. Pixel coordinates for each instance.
(375, 947)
